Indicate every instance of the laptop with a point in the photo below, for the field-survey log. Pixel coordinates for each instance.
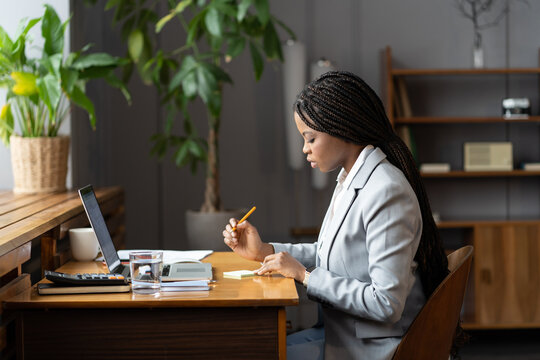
(171, 272)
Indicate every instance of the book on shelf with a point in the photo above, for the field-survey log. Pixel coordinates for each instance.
(398, 110)
(515, 116)
(403, 98)
(50, 289)
(531, 166)
(434, 167)
(405, 133)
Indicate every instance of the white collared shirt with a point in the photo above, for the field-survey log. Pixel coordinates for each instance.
(343, 180)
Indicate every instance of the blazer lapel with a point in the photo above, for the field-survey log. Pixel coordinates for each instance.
(321, 234)
(337, 220)
(373, 159)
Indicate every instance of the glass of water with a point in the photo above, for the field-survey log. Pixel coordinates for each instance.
(145, 269)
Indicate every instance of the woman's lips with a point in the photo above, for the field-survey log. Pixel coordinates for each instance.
(313, 164)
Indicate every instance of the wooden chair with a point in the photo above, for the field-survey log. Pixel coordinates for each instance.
(431, 334)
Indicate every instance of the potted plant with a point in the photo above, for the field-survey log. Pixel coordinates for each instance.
(214, 33)
(39, 94)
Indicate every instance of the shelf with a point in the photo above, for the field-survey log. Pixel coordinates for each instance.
(415, 72)
(463, 224)
(511, 326)
(474, 174)
(454, 224)
(462, 120)
(505, 251)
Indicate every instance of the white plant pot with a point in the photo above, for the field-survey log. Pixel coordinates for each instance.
(204, 230)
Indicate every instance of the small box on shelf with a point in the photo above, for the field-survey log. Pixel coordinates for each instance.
(516, 108)
(488, 156)
(434, 167)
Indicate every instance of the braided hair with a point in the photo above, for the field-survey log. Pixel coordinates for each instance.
(341, 104)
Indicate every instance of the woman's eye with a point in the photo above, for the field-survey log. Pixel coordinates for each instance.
(311, 141)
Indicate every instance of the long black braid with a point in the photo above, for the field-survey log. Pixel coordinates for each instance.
(342, 105)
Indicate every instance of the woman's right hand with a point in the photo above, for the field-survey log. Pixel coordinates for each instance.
(245, 241)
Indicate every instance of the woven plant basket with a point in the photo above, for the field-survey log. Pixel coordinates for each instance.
(39, 164)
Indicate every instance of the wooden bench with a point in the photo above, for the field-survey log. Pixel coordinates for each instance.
(33, 238)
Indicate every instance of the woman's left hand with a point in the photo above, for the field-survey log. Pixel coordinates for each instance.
(284, 264)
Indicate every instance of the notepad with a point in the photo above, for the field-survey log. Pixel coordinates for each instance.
(49, 289)
(238, 274)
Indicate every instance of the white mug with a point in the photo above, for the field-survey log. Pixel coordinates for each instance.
(84, 244)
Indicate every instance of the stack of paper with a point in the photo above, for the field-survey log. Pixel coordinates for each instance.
(196, 285)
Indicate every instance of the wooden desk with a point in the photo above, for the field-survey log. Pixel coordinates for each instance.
(237, 319)
(42, 221)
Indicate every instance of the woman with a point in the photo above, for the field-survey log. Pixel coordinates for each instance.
(378, 255)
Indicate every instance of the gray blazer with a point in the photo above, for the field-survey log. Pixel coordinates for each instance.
(365, 277)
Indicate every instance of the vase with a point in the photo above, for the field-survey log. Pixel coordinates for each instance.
(39, 164)
(478, 52)
(478, 57)
(204, 229)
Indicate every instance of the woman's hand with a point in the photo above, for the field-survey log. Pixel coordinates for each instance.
(245, 241)
(284, 264)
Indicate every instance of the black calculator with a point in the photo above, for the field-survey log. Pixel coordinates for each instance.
(85, 279)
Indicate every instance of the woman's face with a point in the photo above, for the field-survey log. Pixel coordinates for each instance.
(325, 151)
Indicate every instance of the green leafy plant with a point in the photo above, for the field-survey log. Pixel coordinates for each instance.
(41, 90)
(214, 33)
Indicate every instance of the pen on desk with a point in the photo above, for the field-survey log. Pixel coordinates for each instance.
(245, 217)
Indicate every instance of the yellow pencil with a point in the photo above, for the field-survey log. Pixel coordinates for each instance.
(245, 217)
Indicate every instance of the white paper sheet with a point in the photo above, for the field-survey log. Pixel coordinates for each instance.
(195, 285)
(172, 256)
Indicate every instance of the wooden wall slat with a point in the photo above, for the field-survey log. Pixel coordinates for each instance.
(3, 337)
(507, 274)
(15, 258)
(48, 249)
(14, 287)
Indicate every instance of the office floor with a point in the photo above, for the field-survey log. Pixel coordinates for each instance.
(503, 345)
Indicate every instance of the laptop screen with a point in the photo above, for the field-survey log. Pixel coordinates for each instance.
(95, 217)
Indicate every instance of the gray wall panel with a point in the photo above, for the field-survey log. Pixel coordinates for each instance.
(422, 33)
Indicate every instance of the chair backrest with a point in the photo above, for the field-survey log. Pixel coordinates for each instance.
(431, 333)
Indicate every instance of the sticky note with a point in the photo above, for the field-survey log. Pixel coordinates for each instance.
(238, 274)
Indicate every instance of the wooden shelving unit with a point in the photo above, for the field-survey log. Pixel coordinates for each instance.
(504, 284)
(468, 224)
(461, 120)
(495, 71)
(475, 174)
